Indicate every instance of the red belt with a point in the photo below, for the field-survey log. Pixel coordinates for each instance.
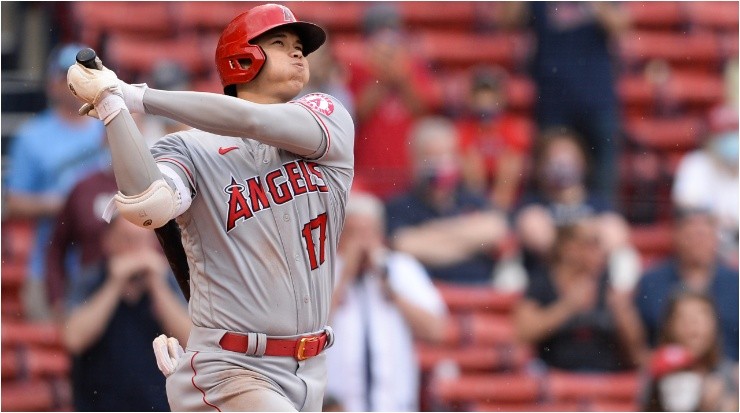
(301, 348)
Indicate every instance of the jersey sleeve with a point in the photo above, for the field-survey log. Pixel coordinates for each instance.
(338, 128)
(172, 153)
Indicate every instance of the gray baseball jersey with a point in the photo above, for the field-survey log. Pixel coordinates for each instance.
(262, 230)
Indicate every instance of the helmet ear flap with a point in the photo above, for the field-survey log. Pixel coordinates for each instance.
(231, 70)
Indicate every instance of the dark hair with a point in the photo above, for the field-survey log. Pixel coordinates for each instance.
(714, 356)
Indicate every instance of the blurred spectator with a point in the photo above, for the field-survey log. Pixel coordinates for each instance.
(75, 241)
(495, 143)
(689, 371)
(573, 316)
(573, 72)
(328, 76)
(694, 267)
(708, 179)
(559, 198)
(114, 311)
(392, 87)
(383, 301)
(49, 154)
(451, 230)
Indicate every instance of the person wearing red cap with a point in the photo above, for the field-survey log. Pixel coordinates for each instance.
(257, 190)
(689, 372)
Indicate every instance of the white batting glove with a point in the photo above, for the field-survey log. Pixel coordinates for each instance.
(99, 88)
(133, 95)
(133, 98)
(168, 351)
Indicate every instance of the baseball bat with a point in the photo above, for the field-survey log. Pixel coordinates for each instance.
(86, 57)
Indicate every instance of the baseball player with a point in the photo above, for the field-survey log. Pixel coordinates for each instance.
(258, 189)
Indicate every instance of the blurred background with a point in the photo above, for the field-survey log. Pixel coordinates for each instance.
(565, 175)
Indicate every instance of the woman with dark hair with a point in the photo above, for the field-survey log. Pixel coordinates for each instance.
(571, 313)
(689, 372)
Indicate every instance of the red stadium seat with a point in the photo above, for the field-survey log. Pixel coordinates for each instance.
(489, 388)
(608, 406)
(480, 328)
(36, 395)
(654, 14)
(464, 298)
(652, 239)
(720, 15)
(134, 55)
(474, 358)
(462, 49)
(341, 16)
(34, 362)
(16, 333)
(140, 18)
(666, 134)
(563, 386)
(13, 275)
(700, 48)
(11, 306)
(445, 14)
(696, 88)
(527, 407)
(208, 15)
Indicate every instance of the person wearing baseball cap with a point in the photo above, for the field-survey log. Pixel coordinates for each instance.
(257, 190)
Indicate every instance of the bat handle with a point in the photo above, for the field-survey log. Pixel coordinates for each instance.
(86, 57)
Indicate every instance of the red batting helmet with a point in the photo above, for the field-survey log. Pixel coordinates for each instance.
(235, 41)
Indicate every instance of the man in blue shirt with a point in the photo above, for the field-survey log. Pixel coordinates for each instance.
(694, 266)
(49, 154)
(450, 230)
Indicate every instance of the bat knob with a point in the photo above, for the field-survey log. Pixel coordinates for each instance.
(86, 57)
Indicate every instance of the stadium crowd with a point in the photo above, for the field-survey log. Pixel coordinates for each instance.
(518, 223)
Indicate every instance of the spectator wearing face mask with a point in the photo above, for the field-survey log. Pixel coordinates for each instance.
(494, 141)
(559, 197)
(708, 179)
(454, 233)
(689, 371)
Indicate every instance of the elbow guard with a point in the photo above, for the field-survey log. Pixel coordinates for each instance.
(152, 208)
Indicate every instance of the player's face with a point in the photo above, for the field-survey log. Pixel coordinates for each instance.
(286, 69)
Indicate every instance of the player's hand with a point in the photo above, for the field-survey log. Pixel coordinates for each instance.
(100, 88)
(168, 351)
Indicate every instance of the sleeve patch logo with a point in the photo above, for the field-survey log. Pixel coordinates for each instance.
(319, 103)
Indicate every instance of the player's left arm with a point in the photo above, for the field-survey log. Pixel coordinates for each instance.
(297, 128)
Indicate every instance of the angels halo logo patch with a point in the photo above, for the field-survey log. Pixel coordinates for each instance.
(319, 103)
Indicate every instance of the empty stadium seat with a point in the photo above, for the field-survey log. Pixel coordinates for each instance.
(136, 56)
(527, 407)
(343, 16)
(654, 14)
(30, 362)
(464, 49)
(35, 395)
(475, 298)
(446, 14)
(207, 15)
(693, 49)
(480, 328)
(652, 239)
(666, 134)
(562, 386)
(21, 333)
(719, 15)
(139, 18)
(473, 358)
(489, 388)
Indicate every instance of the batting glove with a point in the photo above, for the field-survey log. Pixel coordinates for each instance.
(168, 351)
(99, 88)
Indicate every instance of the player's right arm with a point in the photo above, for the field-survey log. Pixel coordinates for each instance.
(146, 196)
